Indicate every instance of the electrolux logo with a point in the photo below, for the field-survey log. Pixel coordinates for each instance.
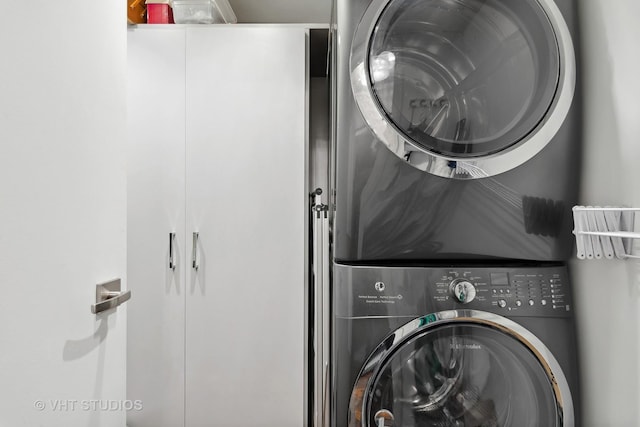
(379, 286)
(455, 346)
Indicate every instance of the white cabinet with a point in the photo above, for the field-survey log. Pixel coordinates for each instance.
(218, 148)
(156, 207)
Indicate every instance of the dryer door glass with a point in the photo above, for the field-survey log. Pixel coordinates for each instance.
(464, 78)
(462, 374)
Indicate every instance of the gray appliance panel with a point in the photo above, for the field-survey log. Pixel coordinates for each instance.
(415, 291)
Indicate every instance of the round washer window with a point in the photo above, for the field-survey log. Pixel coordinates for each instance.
(464, 78)
(462, 374)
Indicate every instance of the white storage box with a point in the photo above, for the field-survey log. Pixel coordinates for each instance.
(203, 12)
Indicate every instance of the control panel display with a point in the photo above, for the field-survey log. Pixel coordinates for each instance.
(513, 292)
(413, 291)
(500, 279)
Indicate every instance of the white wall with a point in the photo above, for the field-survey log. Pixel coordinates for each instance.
(282, 11)
(62, 211)
(608, 292)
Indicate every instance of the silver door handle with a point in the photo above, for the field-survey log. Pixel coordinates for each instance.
(109, 295)
(194, 251)
(172, 260)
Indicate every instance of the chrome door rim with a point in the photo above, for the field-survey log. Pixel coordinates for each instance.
(440, 165)
(374, 363)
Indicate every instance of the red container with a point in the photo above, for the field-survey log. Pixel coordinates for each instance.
(159, 13)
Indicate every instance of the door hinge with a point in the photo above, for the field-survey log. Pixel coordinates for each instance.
(316, 203)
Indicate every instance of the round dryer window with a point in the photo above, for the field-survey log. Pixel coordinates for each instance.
(461, 369)
(486, 83)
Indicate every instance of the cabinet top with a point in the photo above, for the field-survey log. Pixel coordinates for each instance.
(148, 27)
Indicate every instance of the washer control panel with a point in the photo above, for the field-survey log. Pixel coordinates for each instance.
(413, 291)
(517, 291)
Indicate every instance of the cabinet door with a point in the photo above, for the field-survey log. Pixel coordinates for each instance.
(156, 179)
(246, 197)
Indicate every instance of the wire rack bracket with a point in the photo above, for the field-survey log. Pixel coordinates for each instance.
(605, 232)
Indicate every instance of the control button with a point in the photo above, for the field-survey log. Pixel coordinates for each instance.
(531, 302)
(543, 302)
(502, 303)
(463, 290)
(518, 303)
(494, 291)
(508, 291)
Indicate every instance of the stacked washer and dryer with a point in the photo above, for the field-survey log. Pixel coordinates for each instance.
(457, 150)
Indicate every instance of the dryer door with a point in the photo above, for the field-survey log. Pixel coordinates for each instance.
(461, 368)
(466, 88)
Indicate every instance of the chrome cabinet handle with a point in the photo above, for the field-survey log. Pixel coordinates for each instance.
(172, 260)
(109, 295)
(194, 260)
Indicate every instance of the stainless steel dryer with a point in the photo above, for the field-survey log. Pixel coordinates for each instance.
(457, 129)
(455, 346)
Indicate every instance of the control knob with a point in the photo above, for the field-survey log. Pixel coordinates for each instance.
(463, 290)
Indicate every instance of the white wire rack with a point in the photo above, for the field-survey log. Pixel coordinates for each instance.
(605, 232)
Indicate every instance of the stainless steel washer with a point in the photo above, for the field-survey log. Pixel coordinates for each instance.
(454, 346)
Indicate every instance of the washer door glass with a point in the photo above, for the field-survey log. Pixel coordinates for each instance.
(461, 374)
(464, 78)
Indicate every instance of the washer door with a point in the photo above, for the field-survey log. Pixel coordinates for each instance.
(463, 88)
(461, 368)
